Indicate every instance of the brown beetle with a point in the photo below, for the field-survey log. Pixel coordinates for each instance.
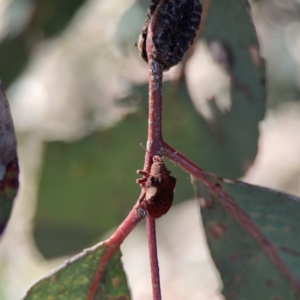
(159, 186)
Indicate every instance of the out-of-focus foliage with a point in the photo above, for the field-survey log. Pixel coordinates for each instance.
(231, 37)
(278, 25)
(43, 20)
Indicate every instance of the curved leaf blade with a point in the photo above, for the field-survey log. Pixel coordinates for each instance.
(246, 270)
(73, 279)
(9, 168)
(231, 37)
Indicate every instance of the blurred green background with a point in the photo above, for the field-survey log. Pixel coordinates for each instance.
(78, 95)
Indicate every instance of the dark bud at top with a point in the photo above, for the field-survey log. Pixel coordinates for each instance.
(177, 24)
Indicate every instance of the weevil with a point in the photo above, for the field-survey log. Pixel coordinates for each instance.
(159, 188)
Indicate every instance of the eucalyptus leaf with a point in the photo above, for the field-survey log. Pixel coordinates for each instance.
(9, 167)
(73, 279)
(233, 132)
(246, 269)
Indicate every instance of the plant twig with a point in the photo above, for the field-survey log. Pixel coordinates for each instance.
(152, 246)
(154, 142)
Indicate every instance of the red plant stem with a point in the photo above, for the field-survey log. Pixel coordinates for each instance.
(112, 244)
(154, 142)
(155, 93)
(155, 107)
(153, 145)
(233, 208)
(151, 232)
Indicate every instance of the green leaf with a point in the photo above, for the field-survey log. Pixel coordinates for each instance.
(73, 279)
(53, 16)
(246, 270)
(9, 168)
(234, 133)
(13, 62)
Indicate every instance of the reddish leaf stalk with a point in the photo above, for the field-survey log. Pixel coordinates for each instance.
(114, 242)
(233, 208)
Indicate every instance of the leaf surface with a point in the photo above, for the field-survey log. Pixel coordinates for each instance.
(231, 142)
(9, 168)
(246, 270)
(73, 279)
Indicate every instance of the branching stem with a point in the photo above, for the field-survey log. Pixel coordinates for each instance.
(156, 145)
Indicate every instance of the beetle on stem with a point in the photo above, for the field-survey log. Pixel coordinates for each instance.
(159, 187)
